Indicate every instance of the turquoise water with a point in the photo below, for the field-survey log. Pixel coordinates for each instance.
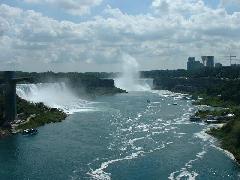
(124, 137)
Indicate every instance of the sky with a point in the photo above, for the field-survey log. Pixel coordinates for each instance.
(96, 35)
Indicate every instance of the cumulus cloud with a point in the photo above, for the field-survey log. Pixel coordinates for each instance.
(31, 41)
(183, 7)
(224, 2)
(74, 7)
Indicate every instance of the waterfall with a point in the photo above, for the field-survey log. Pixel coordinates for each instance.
(56, 95)
(130, 79)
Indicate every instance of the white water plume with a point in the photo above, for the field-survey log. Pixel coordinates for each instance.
(56, 95)
(130, 77)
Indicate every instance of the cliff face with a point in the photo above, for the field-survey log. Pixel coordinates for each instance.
(91, 82)
(94, 86)
(86, 84)
(186, 84)
(224, 89)
(1, 109)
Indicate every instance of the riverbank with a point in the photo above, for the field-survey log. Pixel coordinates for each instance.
(217, 88)
(37, 114)
(229, 133)
(32, 115)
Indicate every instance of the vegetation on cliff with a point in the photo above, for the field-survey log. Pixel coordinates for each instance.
(30, 115)
(40, 113)
(225, 72)
(229, 136)
(218, 87)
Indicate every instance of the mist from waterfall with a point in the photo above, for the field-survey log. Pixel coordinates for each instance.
(130, 78)
(56, 95)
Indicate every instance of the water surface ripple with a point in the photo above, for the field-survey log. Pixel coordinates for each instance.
(130, 138)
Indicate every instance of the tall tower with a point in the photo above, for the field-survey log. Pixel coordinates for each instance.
(190, 63)
(10, 96)
(208, 61)
(9, 87)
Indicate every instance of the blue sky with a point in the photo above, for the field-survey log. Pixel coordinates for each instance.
(95, 35)
(127, 6)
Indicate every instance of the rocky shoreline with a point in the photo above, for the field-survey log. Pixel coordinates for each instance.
(223, 131)
(32, 115)
(217, 88)
(226, 118)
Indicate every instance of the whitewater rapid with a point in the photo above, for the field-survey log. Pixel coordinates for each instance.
(136, 135)
(156, 130)
(131, 134)
(56, 95)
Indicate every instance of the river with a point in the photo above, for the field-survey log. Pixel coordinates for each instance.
(120, 137)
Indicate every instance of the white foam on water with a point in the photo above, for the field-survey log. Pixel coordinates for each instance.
(128, 138)
(181, 133)
(156, 102)
(166, 93)
(157, 127)
(139, 115)
(204, 136)
(185, 171)
(100, 174)
(201, 154)
(131, 141)
(56, 95)
(127, 129)
(163, 93)
(227, 153)
(161, 132)
(143, 127)
(183, 174)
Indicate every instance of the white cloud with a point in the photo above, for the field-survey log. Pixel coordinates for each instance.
(31, 41)
(74, 7)
(225, 2)
(183, 7)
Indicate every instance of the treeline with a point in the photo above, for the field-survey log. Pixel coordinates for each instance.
(220, 83)
(224, 89)
(222, 72)
(50, 76)
(35, 77)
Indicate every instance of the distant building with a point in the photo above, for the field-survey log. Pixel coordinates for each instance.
(235, 65)
(208, 61)
(218, 65)
(190, 62)
(193, 65)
